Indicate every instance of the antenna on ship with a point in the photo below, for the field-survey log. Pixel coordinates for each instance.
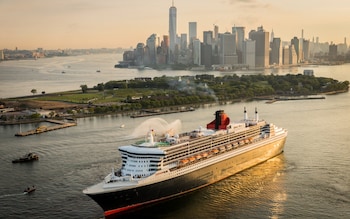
(256, 115)
(245, 114)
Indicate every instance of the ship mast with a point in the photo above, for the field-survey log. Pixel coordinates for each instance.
(256, 115)
(245, 115)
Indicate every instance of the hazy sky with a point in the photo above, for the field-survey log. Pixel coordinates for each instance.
(54, 24)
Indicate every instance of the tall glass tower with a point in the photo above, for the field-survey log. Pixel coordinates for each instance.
(172, 27)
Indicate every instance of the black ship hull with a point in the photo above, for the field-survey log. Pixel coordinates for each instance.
(119, 201)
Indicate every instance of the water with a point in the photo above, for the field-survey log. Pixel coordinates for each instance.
(309, 180)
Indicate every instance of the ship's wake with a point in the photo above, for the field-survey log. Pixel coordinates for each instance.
(159, 126)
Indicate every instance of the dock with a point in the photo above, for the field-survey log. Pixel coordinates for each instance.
(286, 98)
(41, 129)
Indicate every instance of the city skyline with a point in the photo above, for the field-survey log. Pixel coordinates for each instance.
(111, 24)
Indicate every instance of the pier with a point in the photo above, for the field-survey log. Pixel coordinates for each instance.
(41, 129)
(286, 98)
(157, 113)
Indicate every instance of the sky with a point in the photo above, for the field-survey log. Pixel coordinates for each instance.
(76, 24)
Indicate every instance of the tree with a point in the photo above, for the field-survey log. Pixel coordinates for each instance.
(33, 91)
(84, 88)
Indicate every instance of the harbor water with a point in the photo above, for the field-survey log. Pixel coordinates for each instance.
(309, 180)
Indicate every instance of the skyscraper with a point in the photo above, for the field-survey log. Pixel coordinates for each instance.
(249, 53)
(240, 33)
(183, 44)
(276, 50)
(262, 44)
(227, 49)
(192, 31)
(172, 27)
(208, 37)
(152, 45)
(196, 52)
(297, 44)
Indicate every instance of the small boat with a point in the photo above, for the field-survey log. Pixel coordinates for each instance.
(26, 158)
(29, 190)
(122, 126)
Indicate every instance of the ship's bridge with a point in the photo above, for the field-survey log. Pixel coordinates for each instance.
(141, 161)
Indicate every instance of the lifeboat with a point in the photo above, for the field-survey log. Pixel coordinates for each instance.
(222, 149)
(192, 159)
(205, 154)
(215, 151)
(229, 147)
(184, 161)
(198, 157)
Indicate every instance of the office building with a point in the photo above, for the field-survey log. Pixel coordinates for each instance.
(151, 45)
(306, 49)
(276, 50)
(240, 33)
(172, 28)
(140, 54)
(196, 52)
(333, 52)
(285, 55)
(297, 44)
(208, 37)
(206, 55)
(249, 53)
(293, 56)
(183, 44)
(227, 49)
(192, 31)
(262, 46)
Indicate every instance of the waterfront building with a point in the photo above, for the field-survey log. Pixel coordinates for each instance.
(140, 54)
(333, 53)
(285, 55)
(342, 48)
(293, 56)
(262, 47)
(249, 53)
(227, 49)
(151, 44)
(2, 56)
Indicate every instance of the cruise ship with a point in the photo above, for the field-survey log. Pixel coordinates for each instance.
(162, 167)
